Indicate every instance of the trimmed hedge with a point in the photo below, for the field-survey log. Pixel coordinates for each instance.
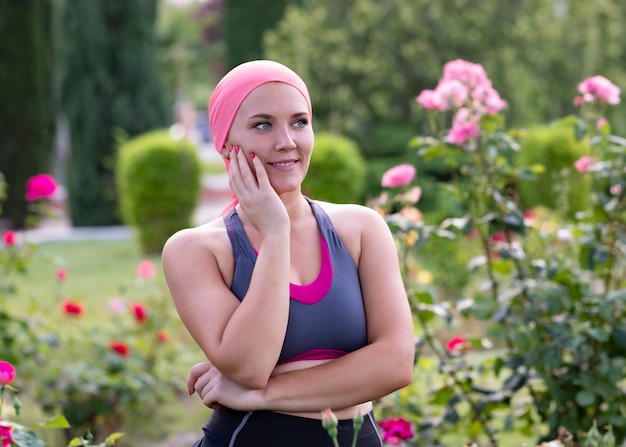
(158, 182)
(556, 148)
(337, 170)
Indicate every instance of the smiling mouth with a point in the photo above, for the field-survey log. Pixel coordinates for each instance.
(284, 164)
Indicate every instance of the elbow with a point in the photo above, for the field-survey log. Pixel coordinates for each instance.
(401, 372)
(257, 382)
(405, 376)
(249, 378)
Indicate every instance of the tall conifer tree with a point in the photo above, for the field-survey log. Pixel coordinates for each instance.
(110, 86)
(27, 112)
(245, 22)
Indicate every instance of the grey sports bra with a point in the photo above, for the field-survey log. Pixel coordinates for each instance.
(326, 317)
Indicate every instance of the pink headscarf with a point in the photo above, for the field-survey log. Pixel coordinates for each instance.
(235, 86)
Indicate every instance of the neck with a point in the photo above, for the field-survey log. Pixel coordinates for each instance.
(295, 204)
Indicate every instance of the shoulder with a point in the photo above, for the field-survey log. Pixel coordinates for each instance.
(191, 243)
(360, 228)
(353, 216)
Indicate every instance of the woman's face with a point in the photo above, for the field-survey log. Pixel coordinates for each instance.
(274, 123)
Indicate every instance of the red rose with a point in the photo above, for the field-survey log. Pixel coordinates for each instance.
(119, 347)
(163, 335)
(71, 307)
(140, 312)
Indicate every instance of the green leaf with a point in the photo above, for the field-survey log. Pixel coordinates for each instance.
(484, 307)
(598, 334)
(585, 398)
(580, 129)
(55, 422)
(110, 440)
(26, 438)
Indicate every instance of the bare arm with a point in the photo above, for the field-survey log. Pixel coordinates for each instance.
(242, 339)
(381, 367)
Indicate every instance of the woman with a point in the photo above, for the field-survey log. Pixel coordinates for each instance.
(298, 305)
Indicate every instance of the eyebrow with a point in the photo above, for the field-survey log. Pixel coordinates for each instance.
(268, 116)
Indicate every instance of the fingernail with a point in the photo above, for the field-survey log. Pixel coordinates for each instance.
(237, 149)
(190, 392)
(252, 155)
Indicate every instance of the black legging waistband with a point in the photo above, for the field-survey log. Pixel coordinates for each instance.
(268, 428)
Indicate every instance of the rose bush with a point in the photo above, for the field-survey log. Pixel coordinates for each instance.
(15, 434)
(99, 376)
(95, 371)
(549, 290)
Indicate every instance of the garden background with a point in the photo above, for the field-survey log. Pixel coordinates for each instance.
(110, 99)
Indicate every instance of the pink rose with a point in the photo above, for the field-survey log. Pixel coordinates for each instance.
(601, 123)
(146, 269)
(469, 73)
(601, 89)
(9, 238)
(461, 133)
(7, 373)
(453, 93)
(39, 187)
(397, 176)
(61, 274)
(396, 430)
(583, 163)
(431, 100)
(6, 439)
(458, 344)
(117, 305)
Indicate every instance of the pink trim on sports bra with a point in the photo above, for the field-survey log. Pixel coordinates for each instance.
(317, 354)
(315, 291)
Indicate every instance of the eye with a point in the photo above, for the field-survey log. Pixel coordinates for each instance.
(301, 123)
(263, 125)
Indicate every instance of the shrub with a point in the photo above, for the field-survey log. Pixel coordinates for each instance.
(337, 171)
(158, 181)
(556, 149)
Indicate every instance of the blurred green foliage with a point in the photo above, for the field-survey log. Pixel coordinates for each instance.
(337, 170)
(560, 187)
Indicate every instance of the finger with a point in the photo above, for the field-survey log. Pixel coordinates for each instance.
(259, 169)
(247, 172)
(242, 180)
(195, 372)
(234, 174)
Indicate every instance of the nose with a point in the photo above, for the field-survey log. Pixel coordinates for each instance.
(284, 140)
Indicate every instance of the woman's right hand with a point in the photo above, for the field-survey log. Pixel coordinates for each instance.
(260, 202)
